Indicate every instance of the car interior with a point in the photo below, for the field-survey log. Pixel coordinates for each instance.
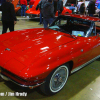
(75, 26)
(72, 26)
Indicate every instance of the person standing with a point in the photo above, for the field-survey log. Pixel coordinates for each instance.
(78, 5)
(23, 4)
(59, 6)
(72, 8)
(48, 13)
(55, 6)
(8, 16)
(98, 9)
(40, 6)
(82, 9)
(91, 8)
(31, 3)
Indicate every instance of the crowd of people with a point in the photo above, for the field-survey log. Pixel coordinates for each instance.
(48, 9)
(48, 14)
(81, 9)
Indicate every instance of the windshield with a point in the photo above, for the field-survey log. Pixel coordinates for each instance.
(70, 25)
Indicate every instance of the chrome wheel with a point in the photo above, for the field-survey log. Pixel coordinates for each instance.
(55, 80)
(59, 79)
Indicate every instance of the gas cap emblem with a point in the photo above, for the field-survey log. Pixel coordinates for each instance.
(7, 49)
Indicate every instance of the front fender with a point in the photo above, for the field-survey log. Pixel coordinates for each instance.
(47, 63)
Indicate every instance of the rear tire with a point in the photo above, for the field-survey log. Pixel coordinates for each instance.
(56, 80)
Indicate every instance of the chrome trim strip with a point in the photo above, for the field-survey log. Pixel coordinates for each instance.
(78, 68)
(38, 84)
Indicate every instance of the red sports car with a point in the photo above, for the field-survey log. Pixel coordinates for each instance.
(45, 58)
(17, 8)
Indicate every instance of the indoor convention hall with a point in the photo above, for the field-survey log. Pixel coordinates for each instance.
(49, 49)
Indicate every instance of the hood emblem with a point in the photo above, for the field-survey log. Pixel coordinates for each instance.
(7, 49)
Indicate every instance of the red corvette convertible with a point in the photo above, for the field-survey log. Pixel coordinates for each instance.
(45, 58)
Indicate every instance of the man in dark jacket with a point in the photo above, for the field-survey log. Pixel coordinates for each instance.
(55, 6)
(48, 13)
(60, 6)
(8, 16)
(40, 7)
(91, 8)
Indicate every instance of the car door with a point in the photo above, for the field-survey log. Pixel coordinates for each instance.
(95, 42)
(91, 47)
(86, 51)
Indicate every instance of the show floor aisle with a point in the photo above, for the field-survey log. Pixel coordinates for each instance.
(82, 85)
(24, 23)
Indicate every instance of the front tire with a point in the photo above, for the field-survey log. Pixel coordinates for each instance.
(56, 80)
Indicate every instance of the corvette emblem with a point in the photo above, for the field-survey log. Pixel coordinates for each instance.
(7, 49)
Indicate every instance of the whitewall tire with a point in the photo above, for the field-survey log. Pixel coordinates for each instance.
(56, 80)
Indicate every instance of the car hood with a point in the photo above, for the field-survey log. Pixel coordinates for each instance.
(31, 44)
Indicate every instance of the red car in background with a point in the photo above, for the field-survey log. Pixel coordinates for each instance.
(32, 12)
(38, 57)
(15, 2)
